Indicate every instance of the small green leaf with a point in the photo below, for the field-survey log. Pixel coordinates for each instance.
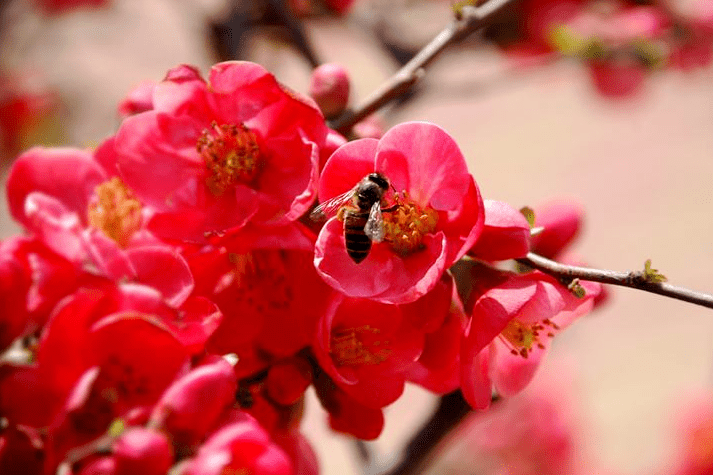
(529, 215)
(576, 288)
(653, 275)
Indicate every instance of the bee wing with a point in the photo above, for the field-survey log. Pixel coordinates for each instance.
(374, 228)
(330, 207)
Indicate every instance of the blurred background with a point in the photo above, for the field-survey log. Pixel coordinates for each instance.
(642, 167)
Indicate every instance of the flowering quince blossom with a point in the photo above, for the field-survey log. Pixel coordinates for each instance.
(240, 447)
(438, 215)
(211, 156)
(171, 302)
(69, 200)
(510, 330)
(695, 435)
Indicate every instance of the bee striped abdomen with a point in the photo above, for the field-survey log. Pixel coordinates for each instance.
(356, 241)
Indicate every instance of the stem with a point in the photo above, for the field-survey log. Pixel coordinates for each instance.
(421, 449)
(469, 20)
(634, 280)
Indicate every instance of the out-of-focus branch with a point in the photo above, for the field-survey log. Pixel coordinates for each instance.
(423, 446)
(468, 20)
(634, 279)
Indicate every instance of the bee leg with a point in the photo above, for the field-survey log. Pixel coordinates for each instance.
(341, 212)
(390, 209)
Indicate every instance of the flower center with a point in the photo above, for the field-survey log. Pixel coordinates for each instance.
(521, 337)
(358, 346)
(405, 227)
(259, 281)
(115, 211)
(231, 156)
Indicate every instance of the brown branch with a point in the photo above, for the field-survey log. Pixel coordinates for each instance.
(635, 279)
(422, 448)
(468, 20)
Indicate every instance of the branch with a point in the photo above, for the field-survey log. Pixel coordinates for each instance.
(636, 280)
(468, 20)
(422, 447)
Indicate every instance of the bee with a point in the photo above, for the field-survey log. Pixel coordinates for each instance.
(360, 210)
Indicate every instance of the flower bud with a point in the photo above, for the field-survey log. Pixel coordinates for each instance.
(141, 450)
(370, 128)
(329, 87)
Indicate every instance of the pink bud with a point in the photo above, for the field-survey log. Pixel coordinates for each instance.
(100, 466)
(561, 221)
(506, 233)
(191, 406)
(144, 451)
(370, 128)
(139, 99)
(617, 80)
(329, 87)
(287, 380)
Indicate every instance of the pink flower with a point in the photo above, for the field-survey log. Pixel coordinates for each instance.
(437, 213)
(510, 330)
(212, 155)
(271, 300)
(367, 348)
(695, 434)
(535, 433)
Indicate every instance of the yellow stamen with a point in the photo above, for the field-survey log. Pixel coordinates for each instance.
(521, 337)
(115, 211)
(358, 346)
(405, 227)
(231, 155)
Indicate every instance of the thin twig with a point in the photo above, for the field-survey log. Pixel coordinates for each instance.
(469, 20)
(422, 447)
(634, 279)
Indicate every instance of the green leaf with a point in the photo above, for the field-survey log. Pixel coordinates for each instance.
(576, 288)
(652, 275)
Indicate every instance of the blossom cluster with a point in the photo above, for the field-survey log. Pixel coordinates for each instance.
(172, 298)
(621, 43)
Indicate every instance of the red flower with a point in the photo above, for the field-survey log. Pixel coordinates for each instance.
(367, 348)
(438, 215)
(510, 330)
(211, 156)
(271, 299)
